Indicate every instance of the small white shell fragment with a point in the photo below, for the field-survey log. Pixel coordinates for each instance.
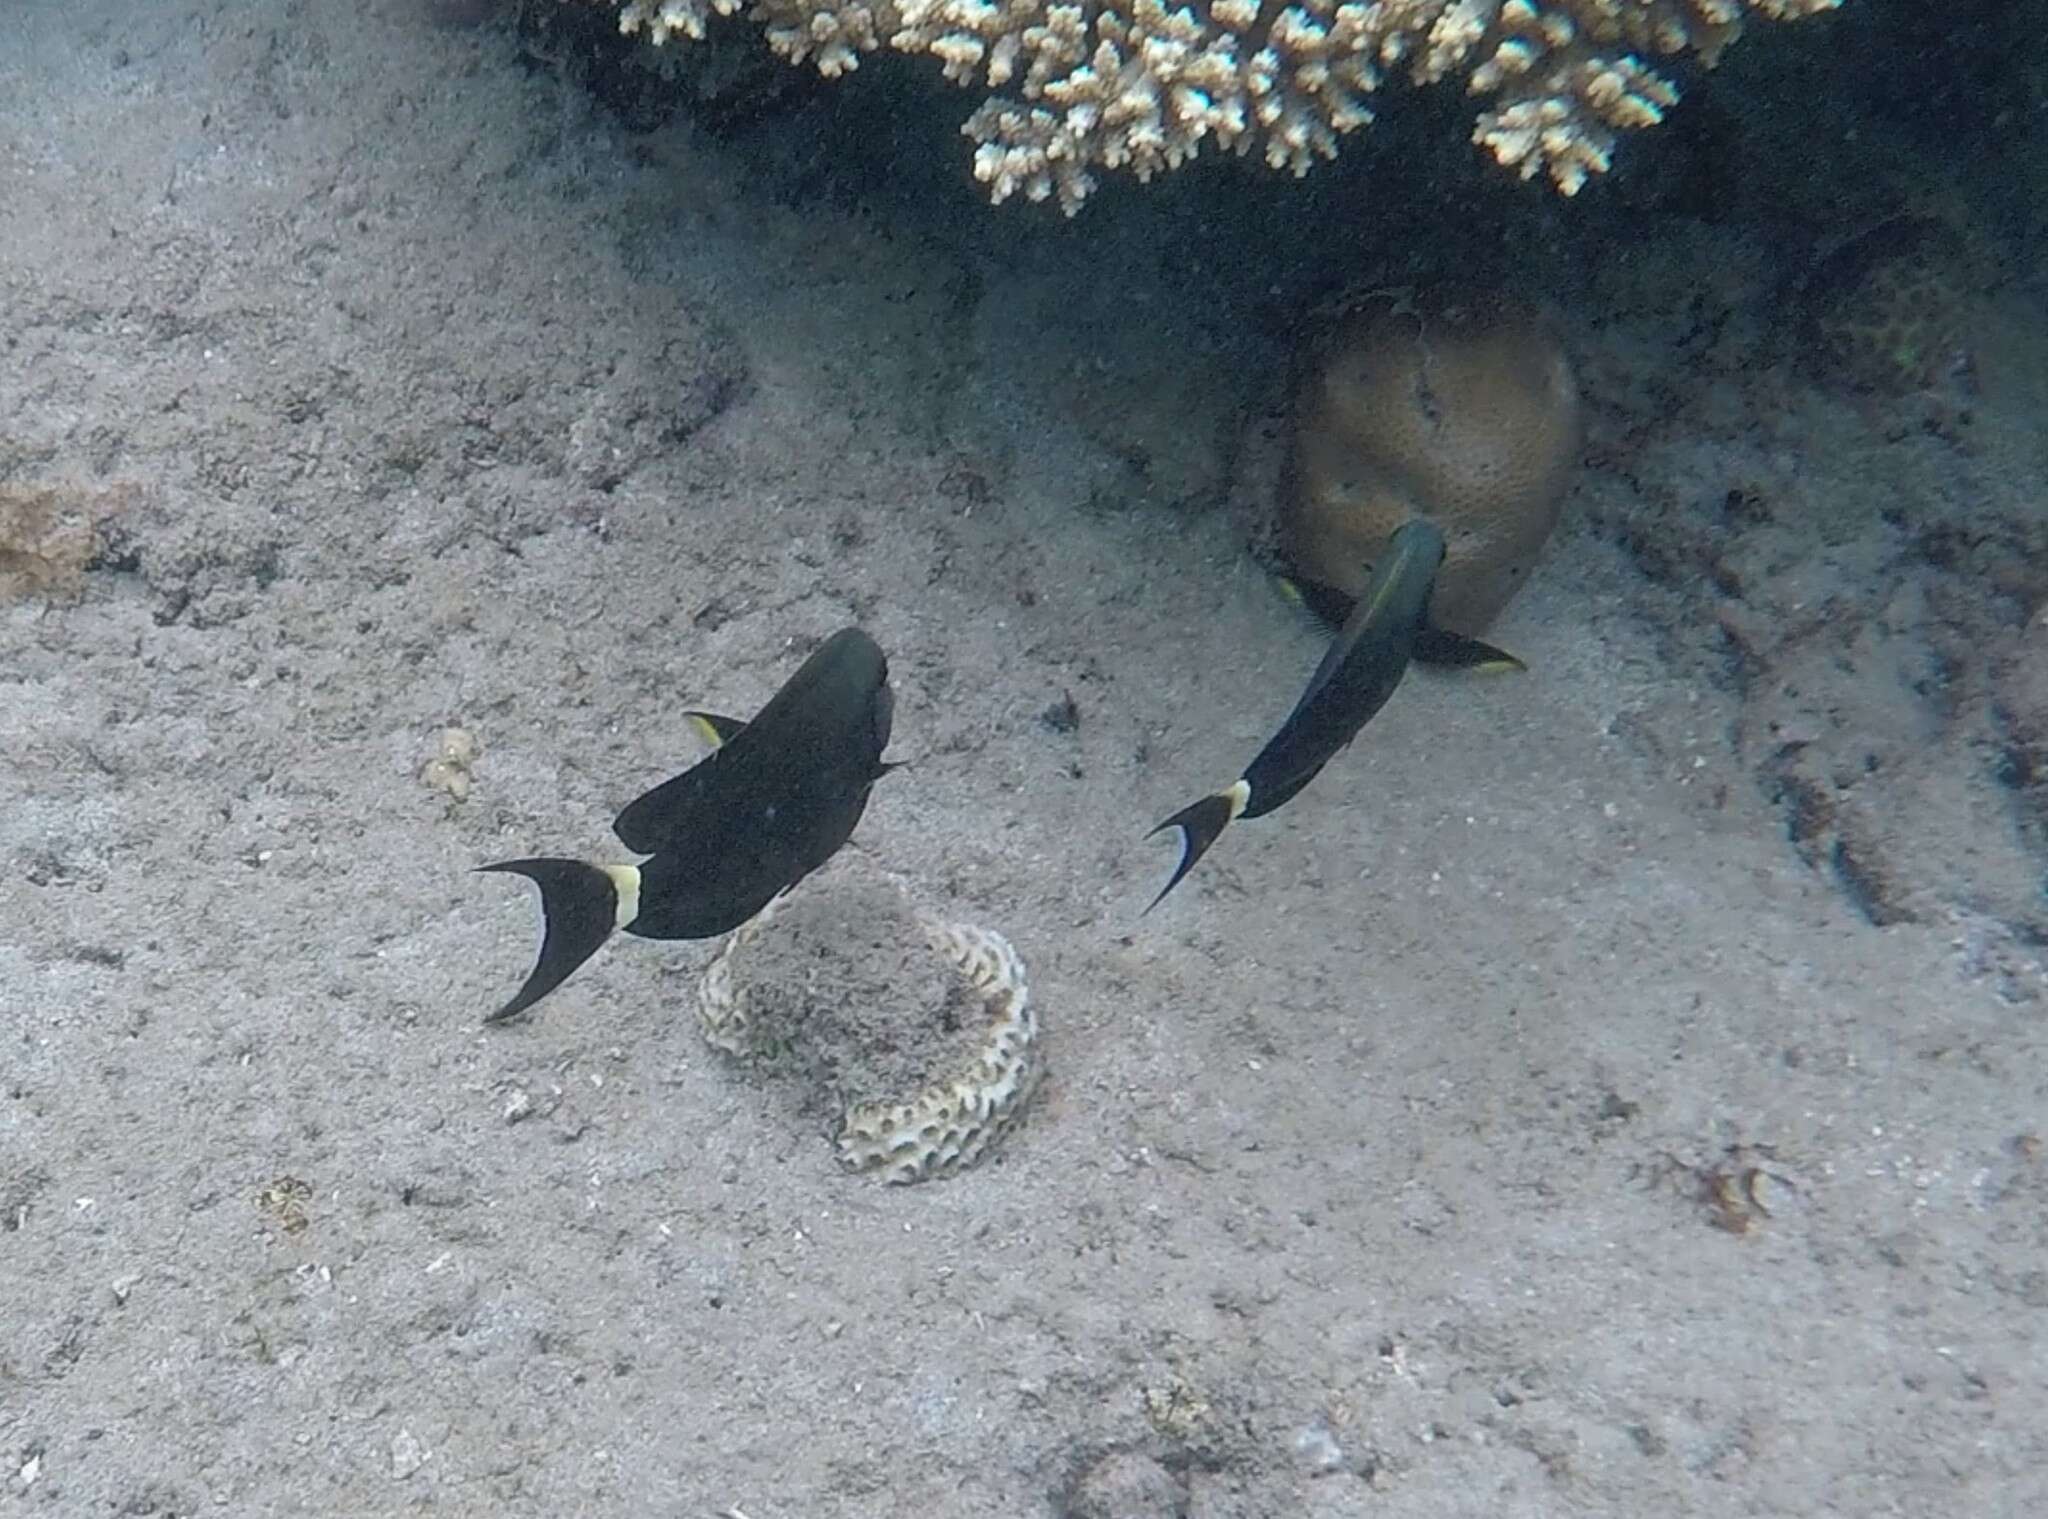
(407, 1455)
(455, 751)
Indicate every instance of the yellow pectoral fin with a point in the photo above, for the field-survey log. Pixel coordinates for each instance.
(711, 730)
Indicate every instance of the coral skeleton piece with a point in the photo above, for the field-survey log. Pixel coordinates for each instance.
(918, 1033)
(1458, 408)
(1134, 84)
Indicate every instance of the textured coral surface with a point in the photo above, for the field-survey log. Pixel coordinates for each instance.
(1463, 410)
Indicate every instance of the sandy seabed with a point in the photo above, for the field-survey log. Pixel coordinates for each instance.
(1520, 1122)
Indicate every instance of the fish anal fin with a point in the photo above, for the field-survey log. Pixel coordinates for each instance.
(1444, 650)
(580, 906)
(1200, 825)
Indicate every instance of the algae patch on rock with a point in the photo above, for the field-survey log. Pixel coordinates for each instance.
(50, 536)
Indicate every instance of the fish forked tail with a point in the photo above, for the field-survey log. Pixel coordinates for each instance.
(1200, 825)
(580, 905)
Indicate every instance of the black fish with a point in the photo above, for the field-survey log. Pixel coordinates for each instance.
(772, 802)
(1388, 627)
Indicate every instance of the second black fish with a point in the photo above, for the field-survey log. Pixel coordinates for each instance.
(1388, 628)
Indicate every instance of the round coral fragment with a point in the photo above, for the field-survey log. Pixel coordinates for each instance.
(913, 1038)
(1462, 409)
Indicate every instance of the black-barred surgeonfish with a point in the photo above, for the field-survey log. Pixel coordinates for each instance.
(1387, 629)
(773, 801)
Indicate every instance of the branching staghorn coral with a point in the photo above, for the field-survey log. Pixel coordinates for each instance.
(1131, 84)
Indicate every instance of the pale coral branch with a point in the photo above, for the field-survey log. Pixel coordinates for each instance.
(1133, 85)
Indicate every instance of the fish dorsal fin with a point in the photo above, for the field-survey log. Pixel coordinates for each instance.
(1444, 650)
(832, 715)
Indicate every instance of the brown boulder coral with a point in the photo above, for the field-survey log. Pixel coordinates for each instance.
(1460, 409)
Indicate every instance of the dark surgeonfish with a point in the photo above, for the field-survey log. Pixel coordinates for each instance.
(773, 801)
(1388, 628)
